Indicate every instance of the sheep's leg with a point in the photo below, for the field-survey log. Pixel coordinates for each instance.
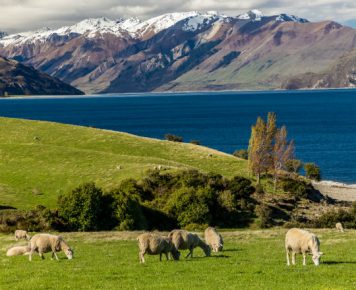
(160, 257)
(30, 255)
(293, 257)
(166, 256)
(288, 262)
(54, 255)
(304, 259)
(142, 257)
(41, 255)
(190, 252)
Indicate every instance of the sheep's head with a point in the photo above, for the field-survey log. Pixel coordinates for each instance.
(316, 258)
(69, 253)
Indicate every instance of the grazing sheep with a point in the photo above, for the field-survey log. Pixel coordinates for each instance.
(339, 227)
(44, 243)
(18, 251)
(153, 244)
(302, 242)
(213, 239)
(20, 234)
(184, 240)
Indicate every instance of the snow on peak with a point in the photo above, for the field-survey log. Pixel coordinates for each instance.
(202, 19)
(286, 17)
(254, 15)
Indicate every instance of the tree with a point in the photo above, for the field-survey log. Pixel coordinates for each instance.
(242, 153)
(261, 145)
(294, 165)
(312, 171)
(282, 152)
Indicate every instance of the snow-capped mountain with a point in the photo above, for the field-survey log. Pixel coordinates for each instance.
(189, 51)
(3, 34)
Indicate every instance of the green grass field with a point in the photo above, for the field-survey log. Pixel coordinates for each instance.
(40, 160)
(250, 260)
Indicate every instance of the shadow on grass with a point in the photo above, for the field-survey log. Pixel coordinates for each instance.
(338, 262)
(232, 250)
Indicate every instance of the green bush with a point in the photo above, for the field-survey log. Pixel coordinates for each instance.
(85, 208)
(331, 217)
(242, 153)
(298, 188)
(293, 165)
(259, 189)
(312, 171)
(264, 216)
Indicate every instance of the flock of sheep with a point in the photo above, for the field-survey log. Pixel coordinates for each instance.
(297, 241)
(40, 243)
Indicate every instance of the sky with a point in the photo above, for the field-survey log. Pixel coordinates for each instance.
(23, 15)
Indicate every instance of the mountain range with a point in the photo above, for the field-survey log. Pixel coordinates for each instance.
(191, 51)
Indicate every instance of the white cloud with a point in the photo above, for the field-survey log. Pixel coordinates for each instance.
(19, 15)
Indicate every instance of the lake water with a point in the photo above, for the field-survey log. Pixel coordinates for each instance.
(322, 123)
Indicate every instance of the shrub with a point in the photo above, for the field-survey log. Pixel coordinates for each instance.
(173, 138)
(264, 215)
(259, 189)
(189, 205)
(85, 208)
(293, 165)
(128, 210)
(312, 171)
(242, 153)
(298, 188)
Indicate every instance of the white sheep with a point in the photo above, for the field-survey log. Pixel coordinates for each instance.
(213, 239)
(18, 251)
(21, 234)
(184, 240)
(339, 227)
(302, 242)
(44, 243)
(152, 244)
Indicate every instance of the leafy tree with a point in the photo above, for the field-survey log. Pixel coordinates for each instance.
(312, 171)
(242, 153)
(261, 145)
(282, 152)
(293, 165)
(85, 208)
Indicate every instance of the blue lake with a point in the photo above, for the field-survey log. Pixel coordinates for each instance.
(322, 123)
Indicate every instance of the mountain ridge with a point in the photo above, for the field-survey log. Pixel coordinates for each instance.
(187, 51)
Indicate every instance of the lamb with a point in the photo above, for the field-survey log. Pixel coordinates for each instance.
(18, 251)
(153, 244)
(184, 240)
(21, 234)
(302, 242)
(213, 239)
(44, 243)
(339, 227)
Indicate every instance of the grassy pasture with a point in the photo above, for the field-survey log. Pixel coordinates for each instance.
(40, 160)
(250, 260)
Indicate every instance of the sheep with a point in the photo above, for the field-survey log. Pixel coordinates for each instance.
(302, 242)
(21, 234)
(153, 244)
(213, 239)
(184, 240)
(18, 251)
(339, 227)
(44, 243)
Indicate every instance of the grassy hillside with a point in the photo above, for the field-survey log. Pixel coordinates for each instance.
(39, 160)
(250, 260)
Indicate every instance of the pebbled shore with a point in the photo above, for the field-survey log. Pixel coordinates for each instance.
(336, 190)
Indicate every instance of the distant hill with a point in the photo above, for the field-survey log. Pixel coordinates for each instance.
(18, 79)
(191, 51)
(40, 160)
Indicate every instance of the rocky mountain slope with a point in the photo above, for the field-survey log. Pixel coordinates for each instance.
(191, 51)
(18, 79)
